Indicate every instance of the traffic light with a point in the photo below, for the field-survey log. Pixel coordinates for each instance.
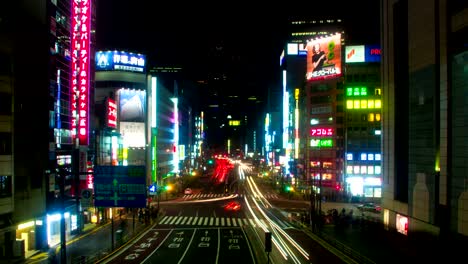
(168, 187)
(289, 188)
(210, 161)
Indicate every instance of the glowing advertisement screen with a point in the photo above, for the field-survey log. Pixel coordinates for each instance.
(373, 53)
(321, 143)
(80, 48)
(133, 134)
(132, 104)
(324, 58)
(354, 54)
(120, 61)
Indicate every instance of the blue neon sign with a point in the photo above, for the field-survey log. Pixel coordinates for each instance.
(120, 61)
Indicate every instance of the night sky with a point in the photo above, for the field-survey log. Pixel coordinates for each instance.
(180, 33)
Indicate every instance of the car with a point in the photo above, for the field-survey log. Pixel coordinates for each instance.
(232, 206)
(369, 207)
(188, 191)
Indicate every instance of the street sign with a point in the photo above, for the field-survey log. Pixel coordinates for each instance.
(153, 189)
(120, 186)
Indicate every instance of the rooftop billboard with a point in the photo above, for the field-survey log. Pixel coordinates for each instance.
(324, 58)
(120, 61)
(362, 53)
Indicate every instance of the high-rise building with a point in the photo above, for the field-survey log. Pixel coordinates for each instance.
(46, 52)
(312, 114)
(363, 123)
(424, 84)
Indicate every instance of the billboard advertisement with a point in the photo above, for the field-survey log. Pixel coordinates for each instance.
(132, 105)
(133, 134)
(120, 60)
(354, 54)
(362, 53)
(373, 53)
(324, 58)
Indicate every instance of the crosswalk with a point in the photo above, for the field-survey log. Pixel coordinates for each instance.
(180, 220)
(218, 195)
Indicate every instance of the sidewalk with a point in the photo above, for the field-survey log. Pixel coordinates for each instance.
(90, 235)
(367, 241)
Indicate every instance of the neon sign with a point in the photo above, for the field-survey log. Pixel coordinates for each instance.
(324, 143)
(321, 132)
(80, 46)
(111, 113)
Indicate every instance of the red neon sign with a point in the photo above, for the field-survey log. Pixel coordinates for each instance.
(80, 47)
(321, 132)
(111, 113)
(375, 51)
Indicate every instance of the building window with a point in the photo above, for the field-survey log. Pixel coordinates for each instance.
(363, 156)
(5, 186)
(377, 117)
(5, 143)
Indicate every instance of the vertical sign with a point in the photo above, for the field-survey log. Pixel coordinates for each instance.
(80, 46)
(111, 113)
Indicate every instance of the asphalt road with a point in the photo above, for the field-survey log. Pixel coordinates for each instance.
(192, 232)
(197, 229)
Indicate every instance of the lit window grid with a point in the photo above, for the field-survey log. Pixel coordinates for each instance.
(365, 156)
(363, 169)
(356, 91)
(364, 104)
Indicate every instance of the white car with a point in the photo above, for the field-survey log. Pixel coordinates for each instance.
(188, 191)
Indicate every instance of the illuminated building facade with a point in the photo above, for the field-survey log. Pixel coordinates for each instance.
(424, 84)
(313, 113)
(121, 108)
(53, 84)
(363, 123)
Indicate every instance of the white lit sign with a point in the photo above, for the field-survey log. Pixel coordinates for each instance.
(354, 54)
(292, 49)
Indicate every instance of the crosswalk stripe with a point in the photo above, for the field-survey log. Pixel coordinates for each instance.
(213, 221)
(190, 220)
(164, 219)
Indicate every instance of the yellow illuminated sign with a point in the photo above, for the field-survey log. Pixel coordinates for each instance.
(234, 122)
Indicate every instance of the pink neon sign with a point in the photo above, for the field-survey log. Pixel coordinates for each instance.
(80, 47)
(321, 132)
